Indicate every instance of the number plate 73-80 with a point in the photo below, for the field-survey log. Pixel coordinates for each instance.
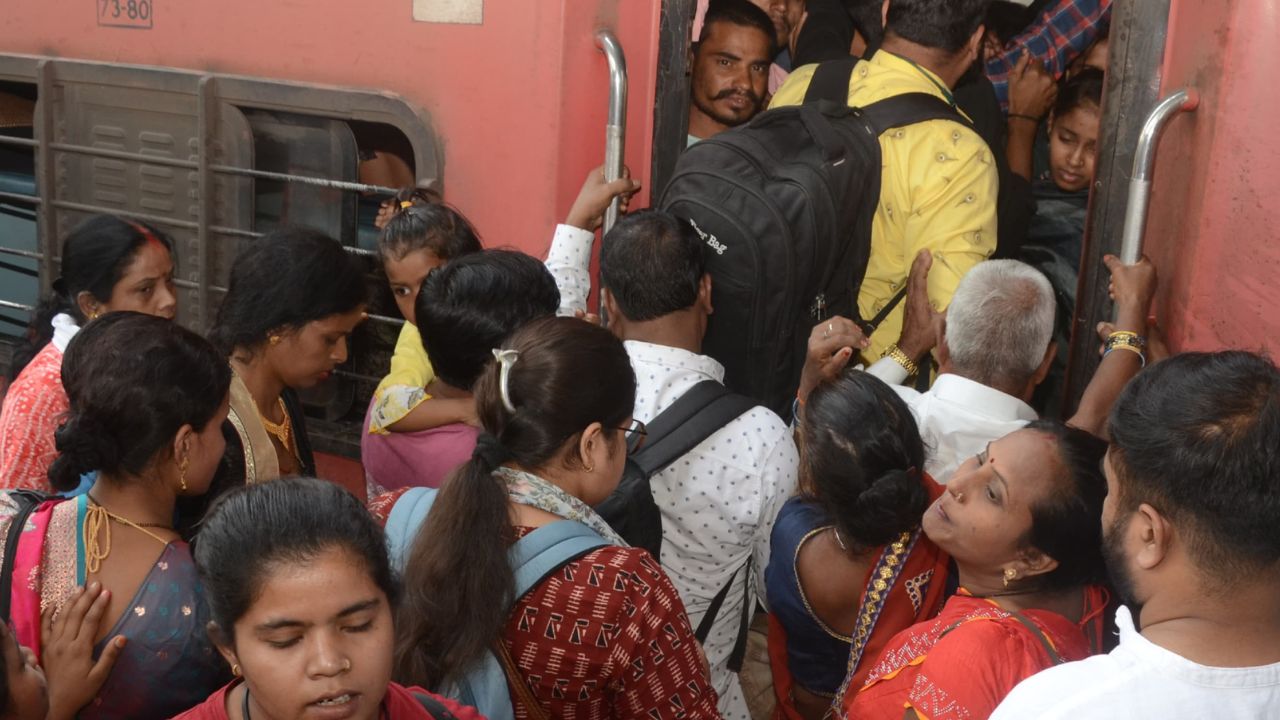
(125, 13)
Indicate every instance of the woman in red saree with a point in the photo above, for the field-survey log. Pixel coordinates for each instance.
(849, 566)
(300, 588)
(1022, 522)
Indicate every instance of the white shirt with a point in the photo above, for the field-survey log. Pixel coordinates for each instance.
(1140, 679)
(958, 417)
(64, 328)
(720, 500)
(718, 503)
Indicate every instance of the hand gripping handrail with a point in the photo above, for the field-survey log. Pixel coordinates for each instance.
(1135, 214)
(616, 131)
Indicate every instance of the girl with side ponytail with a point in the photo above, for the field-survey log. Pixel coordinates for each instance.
(108, 264)
(555, 405)
(855, 523)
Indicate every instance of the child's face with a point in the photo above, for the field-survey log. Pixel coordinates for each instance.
(405, 275)
(28, 693)
(1073, 148)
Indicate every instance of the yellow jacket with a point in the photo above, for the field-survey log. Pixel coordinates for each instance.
(405, 386)
(938, 192)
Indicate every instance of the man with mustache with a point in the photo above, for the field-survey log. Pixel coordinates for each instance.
(1193, 548)
(730, 67)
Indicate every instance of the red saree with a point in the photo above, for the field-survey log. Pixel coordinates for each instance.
(964, 662)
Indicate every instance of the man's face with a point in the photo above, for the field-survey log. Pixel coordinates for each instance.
(731, 74)
(777, 12)
(1115, 529)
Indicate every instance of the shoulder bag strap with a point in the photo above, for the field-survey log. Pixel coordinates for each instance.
(1054, 657)
(28, 501)
(518, 683)
(698, 414)
(909, 109)
(831, 81)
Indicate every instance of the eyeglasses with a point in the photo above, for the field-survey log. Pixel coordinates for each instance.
(635, 434)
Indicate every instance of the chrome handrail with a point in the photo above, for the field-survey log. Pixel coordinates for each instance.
(616, 131)
(1135, 213)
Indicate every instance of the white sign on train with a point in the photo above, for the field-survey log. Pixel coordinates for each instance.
(452, 12)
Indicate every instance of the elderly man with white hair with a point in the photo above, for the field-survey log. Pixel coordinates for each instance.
(994, 346)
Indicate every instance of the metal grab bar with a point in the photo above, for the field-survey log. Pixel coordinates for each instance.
(615, 133)
(1135, 213)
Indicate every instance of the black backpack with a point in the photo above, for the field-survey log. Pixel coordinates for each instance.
(696, 416)
(784, 205)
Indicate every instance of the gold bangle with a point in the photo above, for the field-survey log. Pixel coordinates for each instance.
(1125, 346)
(895, 353)
(1127, 337)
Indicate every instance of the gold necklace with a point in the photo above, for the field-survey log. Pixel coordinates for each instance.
(282, 431)
(96, 523)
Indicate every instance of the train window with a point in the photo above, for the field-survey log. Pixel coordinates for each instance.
(19, 274)
(216, 161)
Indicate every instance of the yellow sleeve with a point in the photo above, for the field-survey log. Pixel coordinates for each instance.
(405, 385)
(793, 90)
(947, 206)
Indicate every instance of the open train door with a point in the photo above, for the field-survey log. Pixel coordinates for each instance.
(1211, 223)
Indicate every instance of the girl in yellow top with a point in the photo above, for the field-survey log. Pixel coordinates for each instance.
(419, 236)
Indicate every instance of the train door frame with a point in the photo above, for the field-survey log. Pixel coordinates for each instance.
(1139, 29)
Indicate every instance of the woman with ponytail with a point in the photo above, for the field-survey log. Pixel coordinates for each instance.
(602, 635)
(856, 522)
(147, 401)
(108, 264)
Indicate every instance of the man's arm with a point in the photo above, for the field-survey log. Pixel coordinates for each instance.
(1059, 35)
(569, 259)
(1132, 287)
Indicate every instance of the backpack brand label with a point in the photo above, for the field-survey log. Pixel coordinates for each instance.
(709, 239)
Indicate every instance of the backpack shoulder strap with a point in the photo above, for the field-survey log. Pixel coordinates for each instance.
(406, 518)
(27, 502)
(909, 109)
(831, 81)
(700, 412)
(545, 550)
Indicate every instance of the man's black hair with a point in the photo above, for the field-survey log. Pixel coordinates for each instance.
(944, 25)
(652, 263)
(742, 13)
(1197, 437)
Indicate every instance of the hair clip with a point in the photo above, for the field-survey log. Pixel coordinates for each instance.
(406, 204)
(506, 358)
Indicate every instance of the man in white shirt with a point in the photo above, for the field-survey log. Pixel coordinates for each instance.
(719, 501)
(995, 347)
(1193, 548)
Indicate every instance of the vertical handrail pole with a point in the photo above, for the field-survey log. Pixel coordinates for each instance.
(1135, 214)
(616, 130)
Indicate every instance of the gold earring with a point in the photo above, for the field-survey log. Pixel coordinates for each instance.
(1009, 575)
(274, 339)
(94, 315)
(182, 474)
(235, 669)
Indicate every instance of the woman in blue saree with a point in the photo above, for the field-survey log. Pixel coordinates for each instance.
(147, 402)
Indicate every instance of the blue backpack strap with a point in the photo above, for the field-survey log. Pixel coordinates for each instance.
(544, 550)
(487, 686)
(406, 518)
